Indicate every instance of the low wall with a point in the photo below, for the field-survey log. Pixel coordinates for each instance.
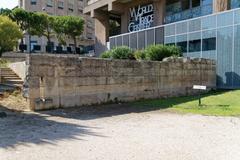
(19, 68)
(14, 57)
(56, 81)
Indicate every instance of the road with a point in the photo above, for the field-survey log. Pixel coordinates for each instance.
(117, 132)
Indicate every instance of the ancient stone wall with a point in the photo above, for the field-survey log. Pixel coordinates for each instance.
(55, 81)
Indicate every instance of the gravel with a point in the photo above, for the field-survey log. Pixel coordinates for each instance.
(77, 134)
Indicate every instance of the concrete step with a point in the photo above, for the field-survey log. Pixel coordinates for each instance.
(13, 77)
(10, 78)
(13, 81)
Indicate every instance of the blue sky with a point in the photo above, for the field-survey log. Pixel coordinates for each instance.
(8, 3)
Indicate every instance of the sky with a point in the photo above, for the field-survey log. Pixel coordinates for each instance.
(8, 3)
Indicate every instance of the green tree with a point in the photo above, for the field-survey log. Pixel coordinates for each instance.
(9, 33)
(43, 27)
(5, 12)
(58, 22)
(23, 19)
(70, 26)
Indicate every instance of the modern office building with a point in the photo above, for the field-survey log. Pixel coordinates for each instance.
(202, 28)
(61, 7)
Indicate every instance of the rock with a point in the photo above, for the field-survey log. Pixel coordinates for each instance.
(3, 115)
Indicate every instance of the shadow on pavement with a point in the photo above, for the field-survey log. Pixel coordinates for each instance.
(20, 128)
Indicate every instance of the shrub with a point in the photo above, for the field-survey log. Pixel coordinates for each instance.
(159, 52)
(3, 63)
(139, 55)
(106, 54)
(123, 52)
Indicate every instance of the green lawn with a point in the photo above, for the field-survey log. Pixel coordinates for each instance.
(220, 103)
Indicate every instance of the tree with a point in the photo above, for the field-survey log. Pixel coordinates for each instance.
(71, 26)
(58, 22)
(23, 19)
(9, 33)
(5, 12)
(43, 27)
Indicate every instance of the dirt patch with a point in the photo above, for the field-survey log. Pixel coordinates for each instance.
(14, 101)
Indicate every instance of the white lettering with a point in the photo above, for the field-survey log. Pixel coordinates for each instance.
(141, 17)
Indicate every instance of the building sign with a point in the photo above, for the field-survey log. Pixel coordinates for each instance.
(141, 17)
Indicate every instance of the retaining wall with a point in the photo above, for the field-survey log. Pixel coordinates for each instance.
(56, 81)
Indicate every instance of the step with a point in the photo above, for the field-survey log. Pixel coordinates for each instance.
(16, 86)
(12, 78)
(14, 82)
(8, 74)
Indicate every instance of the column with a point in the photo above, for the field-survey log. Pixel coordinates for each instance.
(101, 32)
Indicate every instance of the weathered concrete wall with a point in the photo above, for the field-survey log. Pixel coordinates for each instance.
(14, 57)
(63, 81)
(19, 68)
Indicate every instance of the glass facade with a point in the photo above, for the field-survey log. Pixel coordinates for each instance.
(235, 4)
(177, 10)
(214, 37)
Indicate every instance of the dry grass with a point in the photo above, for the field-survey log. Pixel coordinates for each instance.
(14, 101)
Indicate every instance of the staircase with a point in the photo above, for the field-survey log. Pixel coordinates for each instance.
(9, 81)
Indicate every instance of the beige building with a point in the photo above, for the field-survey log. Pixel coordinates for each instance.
(60, 7)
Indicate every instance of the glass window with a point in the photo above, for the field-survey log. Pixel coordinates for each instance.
(33, 2)
(225, 19)
(181, 27)
(196, 3)
(207, 2)
(224, 54)
(185, 4)
(195, 42)
(183, 46)
(49, 3)
(235, 4)
(236, 55)
(237, 15)
(209, 44)
(195, 45)
(70, 7)
(209, 22)
(173, 6)
(169, 30)
(182, 42)
(195, 25)
(169, 40)
(60, 5)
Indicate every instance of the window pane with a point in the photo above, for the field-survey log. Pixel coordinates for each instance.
(224, 54)
(195, 45)
(195, 25)
(237, 15)
(185, 4)
(235, 3)
(182, 42)
(209, 44)
(196, 3)
(169, 30)
(225, 19)
(209, 22)
(170, 40)
(236, 56)
(181, 28)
